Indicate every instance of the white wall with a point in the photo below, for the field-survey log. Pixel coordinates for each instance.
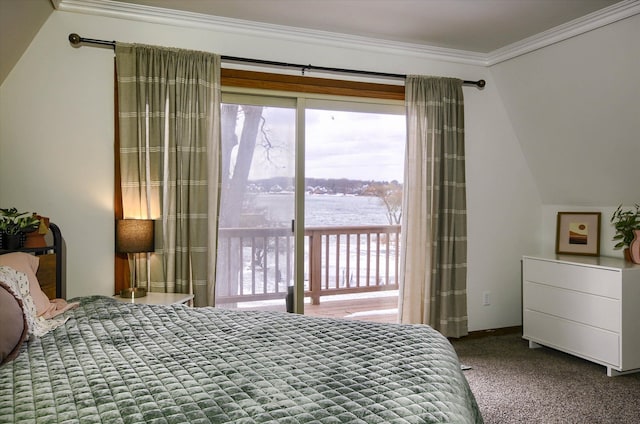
(575, 107)
(56, 142)
(503, 214)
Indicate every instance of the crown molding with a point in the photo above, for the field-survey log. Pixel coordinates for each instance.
(183, 19)
(141, 13)
(595, 20)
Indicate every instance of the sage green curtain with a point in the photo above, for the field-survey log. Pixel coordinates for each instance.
(168, 109)
(433, 257)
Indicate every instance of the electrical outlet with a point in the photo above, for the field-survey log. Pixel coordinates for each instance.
(486, 301)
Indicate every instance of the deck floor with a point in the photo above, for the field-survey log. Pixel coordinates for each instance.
(376, 307)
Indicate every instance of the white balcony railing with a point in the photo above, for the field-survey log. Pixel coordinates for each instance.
(258, 262)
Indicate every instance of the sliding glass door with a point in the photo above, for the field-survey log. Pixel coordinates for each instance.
(354, 166)
(255, 264)
(311, 200)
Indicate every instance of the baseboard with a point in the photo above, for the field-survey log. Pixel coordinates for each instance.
(493, 332)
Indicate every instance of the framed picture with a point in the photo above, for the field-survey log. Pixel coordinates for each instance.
(578, 233)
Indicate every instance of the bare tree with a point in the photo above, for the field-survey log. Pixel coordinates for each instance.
(390, 194)
(235, 173)
(234, 178)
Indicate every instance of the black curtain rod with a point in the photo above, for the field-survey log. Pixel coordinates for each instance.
(76, 40)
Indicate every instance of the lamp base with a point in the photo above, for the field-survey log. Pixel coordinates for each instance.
(133, 292)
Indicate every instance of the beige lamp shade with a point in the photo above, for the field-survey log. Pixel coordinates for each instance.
(134, 235)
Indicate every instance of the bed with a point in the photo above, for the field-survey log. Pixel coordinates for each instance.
(117, 362)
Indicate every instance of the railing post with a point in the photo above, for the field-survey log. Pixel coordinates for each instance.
(315, 267)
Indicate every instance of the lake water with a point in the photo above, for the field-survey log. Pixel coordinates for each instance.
(324, 210)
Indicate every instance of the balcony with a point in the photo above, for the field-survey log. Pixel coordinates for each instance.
(349, 272)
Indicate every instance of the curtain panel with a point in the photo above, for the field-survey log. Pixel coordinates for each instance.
(169, 133)
(433, 257)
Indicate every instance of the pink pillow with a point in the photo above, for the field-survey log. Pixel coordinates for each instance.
(28, 264)
(14, 330)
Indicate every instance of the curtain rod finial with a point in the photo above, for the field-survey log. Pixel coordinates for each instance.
(74, 39)
(482, 83)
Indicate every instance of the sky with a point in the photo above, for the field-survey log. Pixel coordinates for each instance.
(353, 145)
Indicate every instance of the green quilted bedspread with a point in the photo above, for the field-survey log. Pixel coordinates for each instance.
(115, 362)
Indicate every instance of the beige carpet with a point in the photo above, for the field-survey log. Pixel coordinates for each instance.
(515, 384)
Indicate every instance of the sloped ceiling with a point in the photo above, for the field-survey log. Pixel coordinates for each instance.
(20, 21)
(575, 108)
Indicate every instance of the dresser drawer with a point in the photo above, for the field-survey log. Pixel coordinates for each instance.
(597, 311)
(597, 281)
(587, 342)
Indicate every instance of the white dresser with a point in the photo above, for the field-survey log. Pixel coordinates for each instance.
(586, 306)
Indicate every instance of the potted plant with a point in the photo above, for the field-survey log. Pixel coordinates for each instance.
(14, 224)
(36, 238)
(627, 225)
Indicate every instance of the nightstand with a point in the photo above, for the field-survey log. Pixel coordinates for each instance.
(153, 298)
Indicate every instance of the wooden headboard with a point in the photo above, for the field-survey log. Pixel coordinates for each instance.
(50, 272)
(51, 262)
(46, 274)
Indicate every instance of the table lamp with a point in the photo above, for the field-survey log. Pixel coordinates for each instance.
(134, 236)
